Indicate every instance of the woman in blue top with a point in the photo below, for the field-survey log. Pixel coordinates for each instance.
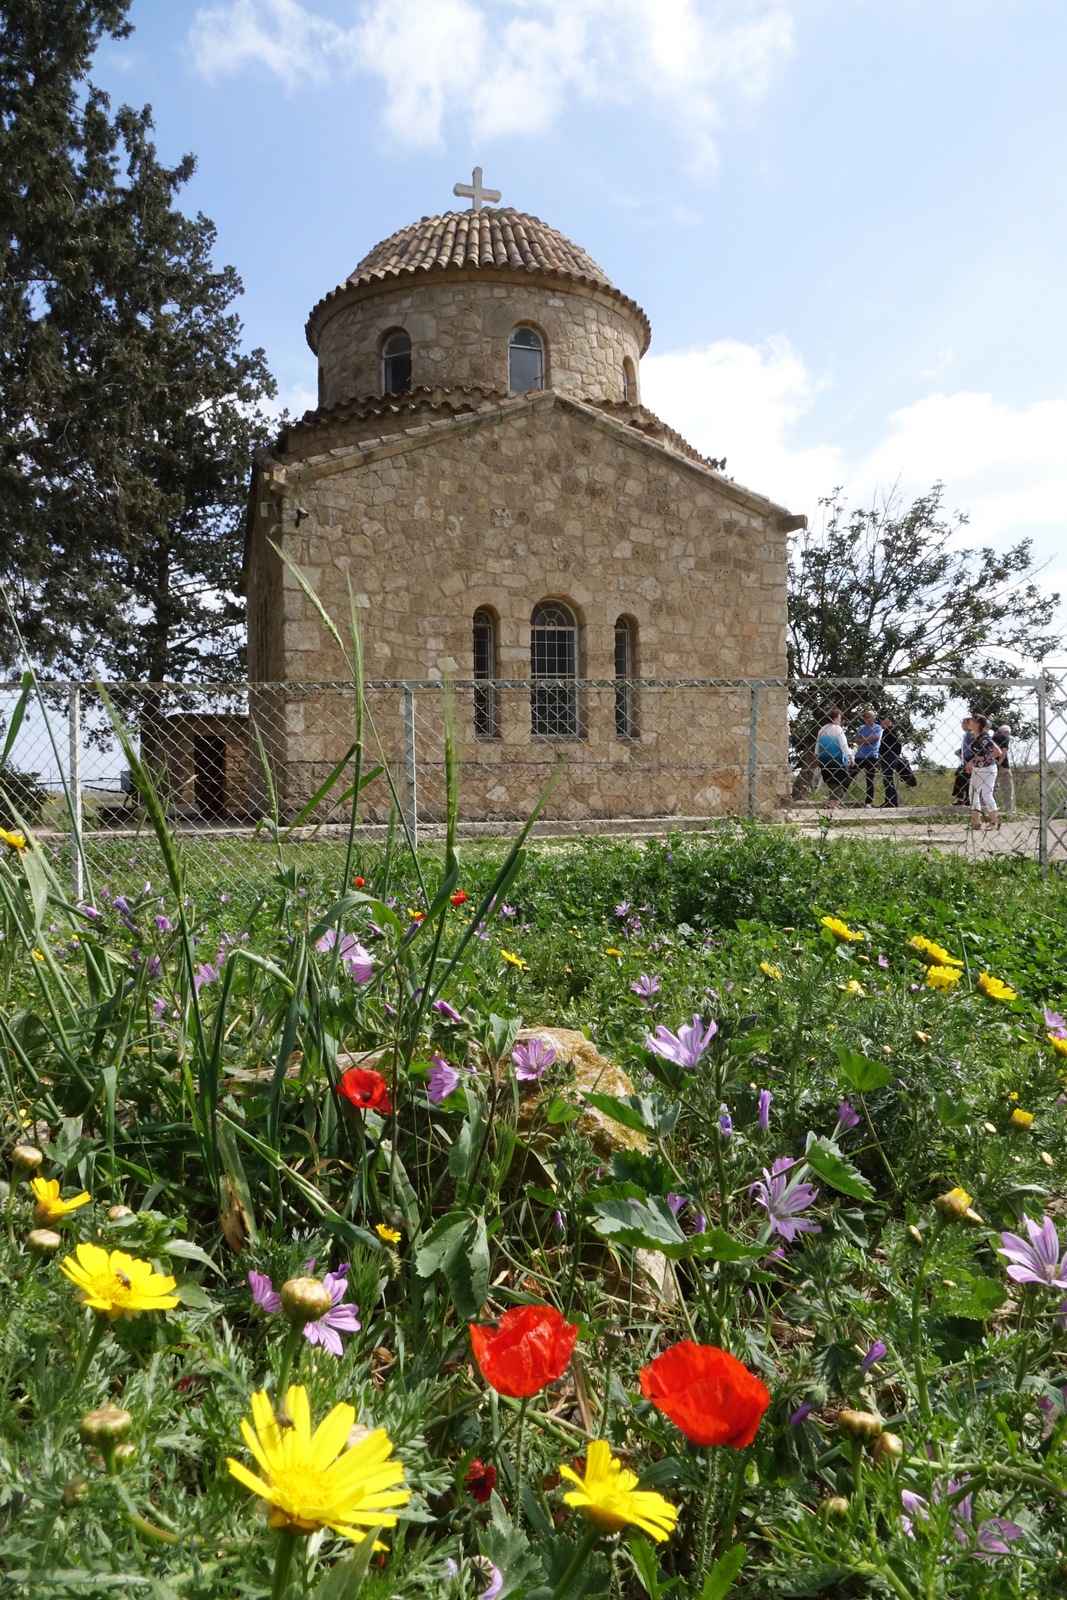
(835, 759)
(868, 744)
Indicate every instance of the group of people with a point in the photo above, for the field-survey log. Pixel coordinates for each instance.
(982, 754)
(877, 749)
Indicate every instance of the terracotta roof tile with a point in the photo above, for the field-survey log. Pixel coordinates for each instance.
(500, 239)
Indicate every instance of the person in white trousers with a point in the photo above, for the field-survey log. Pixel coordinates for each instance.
(985, 758)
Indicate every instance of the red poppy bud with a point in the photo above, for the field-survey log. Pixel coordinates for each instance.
(480, 1481)
(459, 898)
(366, 1089)
(359, 883)
(707, 1393)
(528, 1350)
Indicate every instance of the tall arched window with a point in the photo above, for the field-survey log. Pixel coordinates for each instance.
(396, 363)
(625, 673)
(629, 381)
(486, 710)
(526, 360)
(554, 656)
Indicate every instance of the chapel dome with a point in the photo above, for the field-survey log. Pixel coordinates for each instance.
(498, 239)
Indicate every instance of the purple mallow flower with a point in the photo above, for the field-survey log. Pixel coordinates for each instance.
(1055, 1023)
(357, 962)
(1039, 1261)
(164, 924)
(645, 986)
(726, 1122)
(764, 1113)
(784, 1200)
(339, 1319)
(449, 1013)
(264, 1294)
(686, 1046)
(801, 1414)
(847, 1116)
(992, 1538)
(205, 974)
(443, 1079)
(531, 1059)
(874, 1354)
(676, 1203)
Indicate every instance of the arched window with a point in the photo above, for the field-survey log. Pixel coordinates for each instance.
(554, 656)
(396, 363)
(629, 381)
(625, 673)
(486, 707)
(526, 360)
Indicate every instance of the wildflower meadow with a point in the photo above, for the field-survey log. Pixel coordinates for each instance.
(668, 1218)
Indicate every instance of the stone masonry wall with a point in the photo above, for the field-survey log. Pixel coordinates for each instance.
(459, 330)
(550, 500)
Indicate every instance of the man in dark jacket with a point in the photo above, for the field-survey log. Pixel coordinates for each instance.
(891, 760)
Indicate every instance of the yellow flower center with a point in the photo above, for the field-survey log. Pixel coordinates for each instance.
(304, 1497)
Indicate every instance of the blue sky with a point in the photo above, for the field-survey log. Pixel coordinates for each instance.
(845, 218)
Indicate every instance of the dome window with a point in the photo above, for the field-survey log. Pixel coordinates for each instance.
(396, 363)
(526, 361)
(629, 381)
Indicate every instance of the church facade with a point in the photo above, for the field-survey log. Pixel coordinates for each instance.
(481, 476)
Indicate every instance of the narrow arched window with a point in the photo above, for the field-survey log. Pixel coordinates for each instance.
(629, 381)
(396, 363)
(554, 659)
(486, 705)
(526, 360)
(625, 673)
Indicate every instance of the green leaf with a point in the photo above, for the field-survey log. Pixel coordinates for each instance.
(652, 1114)
(720, 1580)
(862, 1073)
(559, 1111)
(443, 1239)
(826, 1161)
(345, 1580)
(191, 1294)
(650, 1224)
(190, 1252)
(457, 1247)
(951, 1113)
(975, 1296)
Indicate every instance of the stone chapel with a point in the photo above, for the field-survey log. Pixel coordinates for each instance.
(480, 472)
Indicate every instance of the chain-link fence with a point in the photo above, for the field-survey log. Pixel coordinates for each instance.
(620, 754)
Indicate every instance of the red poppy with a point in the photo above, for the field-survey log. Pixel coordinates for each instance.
(359, 883)
(528, 1349)
(707, 1393)
(366, 1089)
(459, 898)
(480, 1481)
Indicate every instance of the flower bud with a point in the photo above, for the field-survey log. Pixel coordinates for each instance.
(124, 1452)
(105, 1427)
(43, 1241)
(921, 1038)
(119, 1213)
(973, 1217)
(859, 1424)
(953, 1205)
(1021, 1118)
(835, 1505)
(26, 1158)
(305, 1299)
(888, 1449)
(990, 1127)
(913, 1234)
(75, 1490)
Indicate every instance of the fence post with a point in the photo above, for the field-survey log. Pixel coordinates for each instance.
(753, 747)
(409, 767)
(1042, 774)
(74, 785)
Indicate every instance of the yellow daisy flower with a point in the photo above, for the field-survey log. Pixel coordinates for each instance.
(388, 1235)
(1021, 1118)
(50, 1208)
(1058, 1044)
(935, 953)
(609, 1497)
(315, 1480)
(117, 1284)
(513, 960)
(841, 930)
(771, 971)
(611, 951)
(956, 1203)
(942, 977)
(853, 988)
(14, 841)
(995, 988)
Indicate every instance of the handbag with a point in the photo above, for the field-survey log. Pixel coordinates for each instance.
(908, 776)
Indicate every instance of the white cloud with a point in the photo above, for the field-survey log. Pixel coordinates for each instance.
(511, 66)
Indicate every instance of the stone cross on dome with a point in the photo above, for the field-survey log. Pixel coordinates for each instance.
(474, 192)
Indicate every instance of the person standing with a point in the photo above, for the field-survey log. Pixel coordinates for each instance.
(835, 759)
(890, 759)
(960, 783)
(868, 743)
(984, 762)
(1007, 772)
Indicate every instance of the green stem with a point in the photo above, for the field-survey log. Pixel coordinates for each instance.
(709, 1502)
(586, 1546)
(282, 1562)
(519, 1441)
(916, 1331)
(726, 1525)
(292, 1345)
